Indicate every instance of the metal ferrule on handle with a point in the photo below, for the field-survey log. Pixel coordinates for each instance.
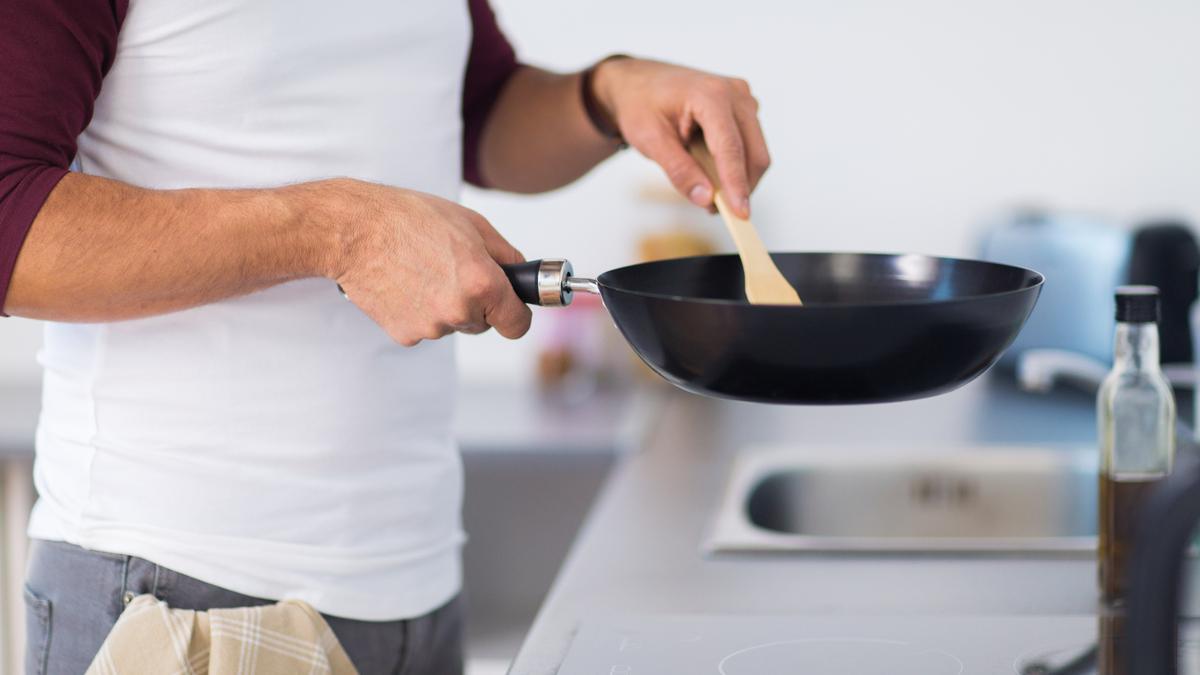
(549, 282)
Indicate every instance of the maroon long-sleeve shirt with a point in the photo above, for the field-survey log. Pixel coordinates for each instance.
(54, 55)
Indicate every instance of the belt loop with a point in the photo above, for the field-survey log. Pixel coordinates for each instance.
(405, 667)
(124, 575)
(125, 594)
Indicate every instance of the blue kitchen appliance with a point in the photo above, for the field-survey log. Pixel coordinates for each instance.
(1083, 260)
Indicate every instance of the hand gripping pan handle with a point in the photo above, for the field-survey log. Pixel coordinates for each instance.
(549, 282)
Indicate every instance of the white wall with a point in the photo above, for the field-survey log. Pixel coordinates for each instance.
(893, 125)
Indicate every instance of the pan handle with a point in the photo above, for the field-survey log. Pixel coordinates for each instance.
(548, 282)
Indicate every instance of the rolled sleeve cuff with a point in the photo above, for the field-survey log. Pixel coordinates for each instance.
(22, 194)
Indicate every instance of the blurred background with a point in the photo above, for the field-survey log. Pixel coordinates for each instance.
(893, 127)
(928, 126)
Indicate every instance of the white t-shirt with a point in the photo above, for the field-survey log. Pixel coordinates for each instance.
(280, 444)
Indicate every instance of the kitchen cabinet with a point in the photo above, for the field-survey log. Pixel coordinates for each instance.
(532, 468)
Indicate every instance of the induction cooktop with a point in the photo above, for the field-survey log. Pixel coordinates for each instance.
(838, 645)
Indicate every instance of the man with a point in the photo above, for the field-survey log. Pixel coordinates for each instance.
(220, 426)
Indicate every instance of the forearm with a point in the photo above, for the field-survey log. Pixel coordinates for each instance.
(101, 250)
(538, 136)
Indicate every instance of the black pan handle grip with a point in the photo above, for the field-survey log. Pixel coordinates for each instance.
(541, 282)
(536, 282)
(524, 280)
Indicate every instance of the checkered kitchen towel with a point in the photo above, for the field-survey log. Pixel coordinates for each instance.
(288, 637)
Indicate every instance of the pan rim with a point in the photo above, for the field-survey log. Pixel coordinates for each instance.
(1038, 280)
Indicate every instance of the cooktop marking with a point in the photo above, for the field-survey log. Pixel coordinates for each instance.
(721, 667)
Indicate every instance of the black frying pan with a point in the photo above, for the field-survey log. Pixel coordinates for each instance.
(873, 328)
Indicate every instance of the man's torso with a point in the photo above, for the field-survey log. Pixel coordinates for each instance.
(278, 444)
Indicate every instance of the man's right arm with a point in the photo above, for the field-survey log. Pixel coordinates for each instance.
(83, 248)
(101, 250)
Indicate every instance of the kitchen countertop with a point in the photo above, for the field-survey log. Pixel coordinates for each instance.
(507, 418)
(638, 553)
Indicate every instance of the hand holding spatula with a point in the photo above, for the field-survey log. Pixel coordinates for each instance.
(765, 284)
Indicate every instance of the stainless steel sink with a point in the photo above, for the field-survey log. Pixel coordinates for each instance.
(968, 500)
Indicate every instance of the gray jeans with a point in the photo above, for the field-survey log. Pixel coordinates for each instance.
(73, 598)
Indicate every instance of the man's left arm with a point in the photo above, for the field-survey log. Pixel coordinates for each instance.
(534, 132)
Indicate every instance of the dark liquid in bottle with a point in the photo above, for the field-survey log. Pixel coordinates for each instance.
(1111, 653)
(1120, 506)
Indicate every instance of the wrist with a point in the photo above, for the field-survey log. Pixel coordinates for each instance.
(324, 217)
(599, 93)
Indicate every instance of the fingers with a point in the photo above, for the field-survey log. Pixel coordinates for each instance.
(504, 311)
(439, 273)
(484, 299)
(494, 295)
(660, 143)
(758, 159)
(662, 109)
(481, 298)
(723, 137)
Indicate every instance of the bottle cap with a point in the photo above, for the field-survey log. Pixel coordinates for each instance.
(1137, 304)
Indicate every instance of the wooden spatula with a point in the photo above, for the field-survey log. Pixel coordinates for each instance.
(765, 284)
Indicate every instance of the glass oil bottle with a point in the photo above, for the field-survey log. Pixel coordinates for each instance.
(1136, 413)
